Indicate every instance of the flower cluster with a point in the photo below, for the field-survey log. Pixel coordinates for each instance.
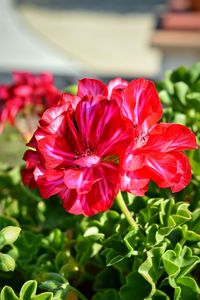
(28, 93)
(105, 139)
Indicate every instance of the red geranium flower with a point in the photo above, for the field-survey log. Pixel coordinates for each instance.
(35, 92)
(36, 89)
(77, 149)
(155, 152)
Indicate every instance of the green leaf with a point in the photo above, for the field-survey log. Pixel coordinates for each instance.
(50, 285)
(55, 241)
(180, 118)
(181, 89)
(7, 221)
(54, 276)
(179, 74)
(87, 248)
(7, 263)
(194, 72)
(168, 85)
(106, 279)
(189, 288)
(107, 295)
(151, 233)
(136, 288)
(28, 290)
(165, 98)
(194, 156)
(131, 241)
(7, 293)
(181, 216)
(160, 295)
(194, 101)
(15, 175)
(194, 224)
(162, 233)
(190, 235)
(43, 296)
(180, 261)
(9, 235)
(115, 250)
(150, 269)
(28, 243)
(71, 89)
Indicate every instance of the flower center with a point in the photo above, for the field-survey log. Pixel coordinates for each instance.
(140, 138)
(87, 159)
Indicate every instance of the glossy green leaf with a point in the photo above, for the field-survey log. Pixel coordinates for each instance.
(189, 288)
(136, 288)
(165, 98)
(7, 263)
(131, 241)
(28, 290)
(179, 74)
(7, 293)
(9, 235)
(194, 156)
(194, 72)
(181, 89)
(168, 85)
(180, 261)
(159, 295)
(151, 269)
(115, 250)
(43, 296)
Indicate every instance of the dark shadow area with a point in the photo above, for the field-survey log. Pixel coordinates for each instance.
(107, 6)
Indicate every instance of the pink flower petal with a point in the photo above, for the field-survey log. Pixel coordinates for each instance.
(49, 182)
(81, 180)
(166, 137)
(102, 127)
(166, 169)
(116, 84)
(99, 198)
(53, 112)
(92, 88)
(32, 159)
(183, 174)
(141, 103)
(134, 185)
(55, 152)
(28, 178)
(68, 98)
(87, 160)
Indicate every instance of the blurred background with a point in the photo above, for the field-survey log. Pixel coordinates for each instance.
(105, 39)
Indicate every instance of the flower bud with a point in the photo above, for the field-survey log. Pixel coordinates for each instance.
(7, 263)
(9, 235)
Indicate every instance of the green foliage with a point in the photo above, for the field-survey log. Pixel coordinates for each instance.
(8, 235)
(27, 292)
(68, 257)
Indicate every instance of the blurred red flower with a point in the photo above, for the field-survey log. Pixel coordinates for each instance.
(32, 92)
(77, 149)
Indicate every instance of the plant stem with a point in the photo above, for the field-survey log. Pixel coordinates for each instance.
(126, 212)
